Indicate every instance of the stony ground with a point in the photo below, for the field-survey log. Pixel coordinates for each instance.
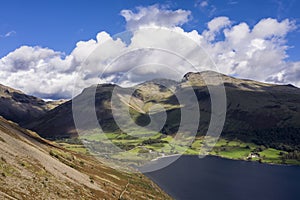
(34, 168)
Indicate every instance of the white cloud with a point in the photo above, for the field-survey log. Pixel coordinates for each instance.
(215, 26)
(167, 51)
(155, 16)
(217, 23)
(8, 34)
(201, 4)
(256, 54)
(290, 74)
(39, 71)
(206, 7)
(271, 27)
(204, 4)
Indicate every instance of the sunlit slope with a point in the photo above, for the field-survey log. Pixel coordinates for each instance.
(34, 168)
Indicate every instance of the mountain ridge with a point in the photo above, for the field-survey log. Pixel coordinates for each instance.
(20, 107)
(254, 109)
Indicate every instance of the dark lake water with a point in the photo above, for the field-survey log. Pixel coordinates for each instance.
(191, 178)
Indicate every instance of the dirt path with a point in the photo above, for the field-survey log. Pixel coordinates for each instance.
(2, 194)
(122, 193)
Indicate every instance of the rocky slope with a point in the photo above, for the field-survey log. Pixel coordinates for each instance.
(34, 168)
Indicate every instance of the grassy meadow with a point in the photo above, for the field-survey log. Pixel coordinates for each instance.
(149, 145)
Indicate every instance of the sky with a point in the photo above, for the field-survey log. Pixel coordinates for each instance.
(44, 44)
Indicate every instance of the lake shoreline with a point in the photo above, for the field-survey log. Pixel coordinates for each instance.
(225, 175)
(254, 161)
(223, 157)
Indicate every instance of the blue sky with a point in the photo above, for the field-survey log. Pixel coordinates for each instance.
(43, 44)
(60, 24)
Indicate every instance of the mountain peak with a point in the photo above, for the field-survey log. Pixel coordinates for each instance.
(6, 91)
(20, 107)
(202, 73)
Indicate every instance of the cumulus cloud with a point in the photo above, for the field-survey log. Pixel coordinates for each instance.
(290, 74)
(38, 71)
(272, 28)
(158, 48)
(215, 26)
(255, 53)
(155, 16)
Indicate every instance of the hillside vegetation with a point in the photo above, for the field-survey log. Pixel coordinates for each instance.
(34, 168)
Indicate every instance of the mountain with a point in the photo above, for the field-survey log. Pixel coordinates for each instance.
(21, 108)
(34, 168)
(262, 113)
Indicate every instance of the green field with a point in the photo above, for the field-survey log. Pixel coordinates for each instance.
(137, 145)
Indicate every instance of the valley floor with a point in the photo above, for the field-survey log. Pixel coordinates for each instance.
(160, 146)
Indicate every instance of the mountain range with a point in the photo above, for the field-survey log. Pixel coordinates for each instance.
(33, 167)
(263, 113)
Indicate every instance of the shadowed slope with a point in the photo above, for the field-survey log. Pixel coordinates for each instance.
(257, 112)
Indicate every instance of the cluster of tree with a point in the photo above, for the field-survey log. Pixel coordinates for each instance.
(295, 155)
(153, 141)
(124, 146)
(286, 139)
(73, 140)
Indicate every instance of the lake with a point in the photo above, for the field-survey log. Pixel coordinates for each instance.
(212, 177)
